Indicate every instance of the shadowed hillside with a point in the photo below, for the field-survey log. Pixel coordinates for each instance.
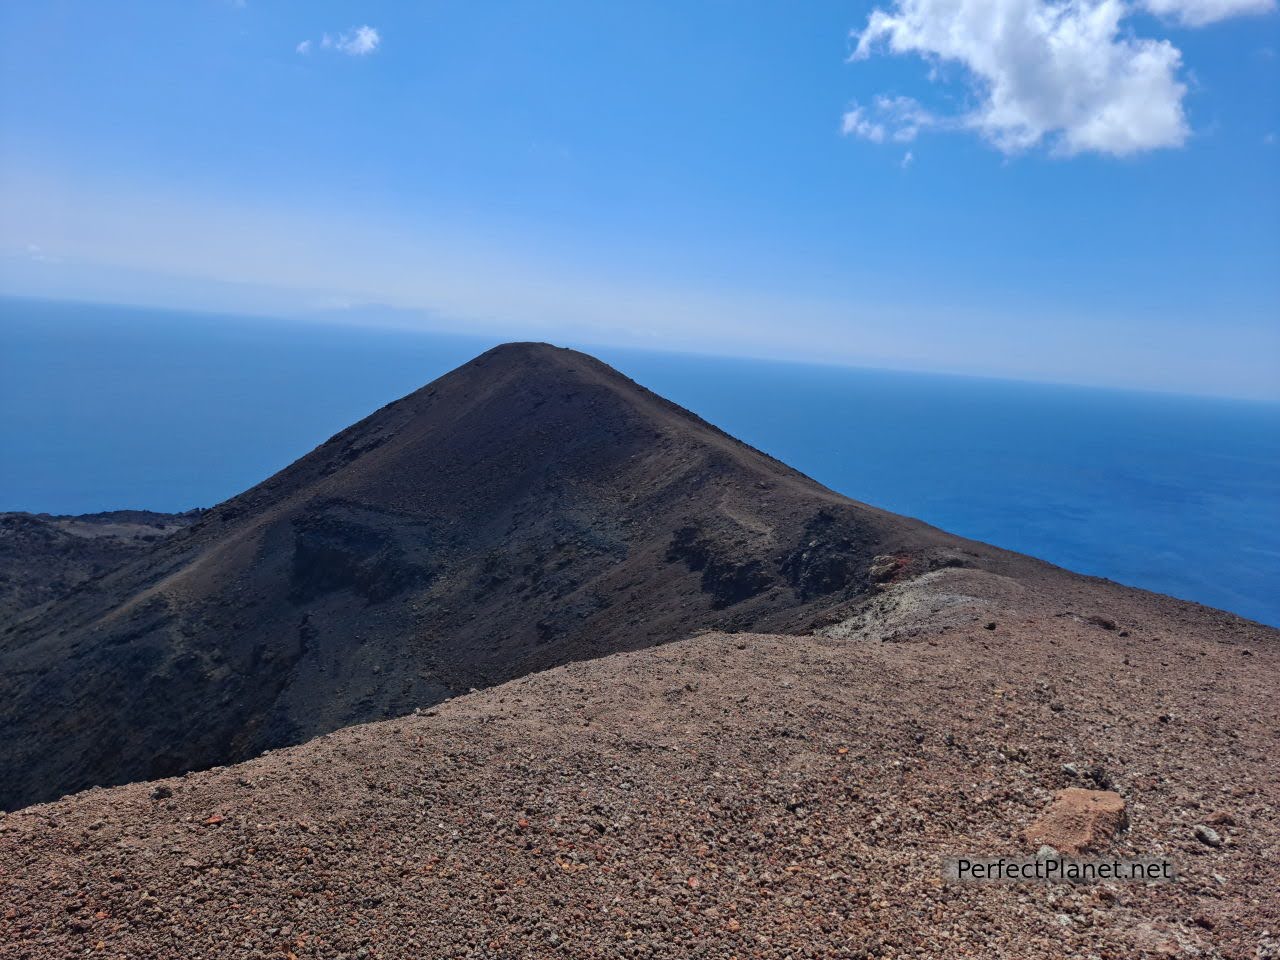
(44, 558)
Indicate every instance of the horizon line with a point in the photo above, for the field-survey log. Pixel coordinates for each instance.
(348, 318)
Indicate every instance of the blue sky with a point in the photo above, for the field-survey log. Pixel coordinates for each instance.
(1086, 193)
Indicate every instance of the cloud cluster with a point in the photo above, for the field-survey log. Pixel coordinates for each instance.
(357, 42)
(894, 119)
(1065, 73)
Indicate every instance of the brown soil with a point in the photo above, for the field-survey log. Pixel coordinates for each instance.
(726, 796)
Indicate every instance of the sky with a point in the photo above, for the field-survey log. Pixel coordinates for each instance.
(1083, 192)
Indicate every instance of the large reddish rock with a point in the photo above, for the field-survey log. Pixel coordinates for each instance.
(1078, 820)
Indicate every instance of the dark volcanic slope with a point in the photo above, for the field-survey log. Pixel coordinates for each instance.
(748, 796)
(531, 508)
(43, 557)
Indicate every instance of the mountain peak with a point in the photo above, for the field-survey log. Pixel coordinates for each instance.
(540, 355)
(523, 349)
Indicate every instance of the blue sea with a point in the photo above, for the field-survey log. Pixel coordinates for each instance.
(107, 407)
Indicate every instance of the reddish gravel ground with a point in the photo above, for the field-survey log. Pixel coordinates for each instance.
(727, 796)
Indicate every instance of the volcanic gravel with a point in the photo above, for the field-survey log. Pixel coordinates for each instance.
(726, 796)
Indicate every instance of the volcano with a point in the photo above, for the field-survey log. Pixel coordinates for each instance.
(531, 508)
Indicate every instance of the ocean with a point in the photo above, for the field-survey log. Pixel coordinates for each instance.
(105, 407)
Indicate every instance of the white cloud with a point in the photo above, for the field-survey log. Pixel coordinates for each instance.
(906, 116)
(908, 159)
(1060, 73)
(856, 124)
(357, 42)
(896, 119)
(1197, 13)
